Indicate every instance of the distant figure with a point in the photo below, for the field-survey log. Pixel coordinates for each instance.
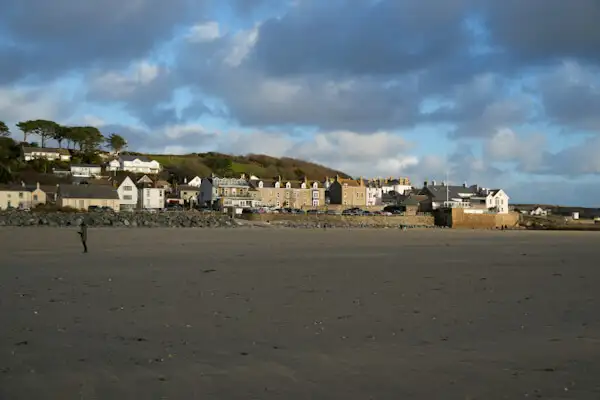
(83, 234)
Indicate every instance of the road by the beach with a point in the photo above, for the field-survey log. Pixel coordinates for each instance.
(299, 314)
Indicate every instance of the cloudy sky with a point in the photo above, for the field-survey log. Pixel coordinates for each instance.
(500, 93)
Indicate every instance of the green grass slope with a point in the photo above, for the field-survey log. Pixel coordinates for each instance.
(263, 166)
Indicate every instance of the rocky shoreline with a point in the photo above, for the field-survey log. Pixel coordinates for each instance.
(183, 219)
(128, 220)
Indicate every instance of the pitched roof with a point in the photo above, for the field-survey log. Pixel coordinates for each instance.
(440, 192)
(86, 165)
(88, 192)
(15, 187)
(27, 149)
(129, 157)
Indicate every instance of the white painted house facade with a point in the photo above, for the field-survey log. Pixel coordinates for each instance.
(128, 194)
(151, 198)
(497, 199)
(85, 170)
(135, 164)
(35, 153)
(374, 195)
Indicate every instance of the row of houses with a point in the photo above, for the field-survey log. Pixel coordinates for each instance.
(125, 162)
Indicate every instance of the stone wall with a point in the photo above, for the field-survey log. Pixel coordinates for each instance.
(460, 219)
(123, 219)
(342, 220)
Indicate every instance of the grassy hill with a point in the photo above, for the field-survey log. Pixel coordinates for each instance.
(263, 166)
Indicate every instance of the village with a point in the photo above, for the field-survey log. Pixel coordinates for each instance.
(125, 183)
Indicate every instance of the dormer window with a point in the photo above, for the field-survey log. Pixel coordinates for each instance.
(315, 185)
(303, 185)
(277, 185)
(260, 184)
(288, 185)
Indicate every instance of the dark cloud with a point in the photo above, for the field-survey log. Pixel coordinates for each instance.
(362, 37)
(55, 36)
(571, 97)
(542, 31)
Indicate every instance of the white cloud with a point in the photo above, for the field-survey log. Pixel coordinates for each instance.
(526, 150)
(204, 32)
(241, 44)
(179, 131)
(116, 84)
(24, 103)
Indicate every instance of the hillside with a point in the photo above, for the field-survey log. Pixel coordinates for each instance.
(203, 164)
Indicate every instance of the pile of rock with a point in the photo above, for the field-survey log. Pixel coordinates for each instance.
(181, 219)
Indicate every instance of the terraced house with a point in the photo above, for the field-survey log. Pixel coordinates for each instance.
(219, 192)
(348, 192)
(290, 193)
(21, 196)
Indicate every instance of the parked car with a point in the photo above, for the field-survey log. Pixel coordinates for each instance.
(312, 212)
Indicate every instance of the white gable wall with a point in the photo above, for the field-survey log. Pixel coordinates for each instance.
(128, 194)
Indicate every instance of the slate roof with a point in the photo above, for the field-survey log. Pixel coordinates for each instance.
(128, 157)
(86, 165)
(45, 150)
(88, 192)
(440, 192)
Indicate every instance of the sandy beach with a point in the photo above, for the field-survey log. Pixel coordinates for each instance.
(299, 314)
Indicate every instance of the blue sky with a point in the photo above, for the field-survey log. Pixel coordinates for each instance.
(503, 94)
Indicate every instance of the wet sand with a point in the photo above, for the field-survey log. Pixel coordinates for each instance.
(299, 314)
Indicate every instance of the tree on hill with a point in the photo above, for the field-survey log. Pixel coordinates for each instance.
(4, 131)
(43, 128)
(26, 127)
(61, 133)
(88, 138)
(116, 142)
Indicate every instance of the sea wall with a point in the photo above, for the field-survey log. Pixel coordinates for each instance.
(109, 219)
(342, 220)
(460, 219)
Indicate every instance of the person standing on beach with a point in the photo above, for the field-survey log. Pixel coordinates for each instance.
(83, 234)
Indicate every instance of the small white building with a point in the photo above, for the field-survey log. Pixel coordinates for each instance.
(128, 194)
(497, 199)
(44, 153)
(151, 198)
(135, 164)
(85, 170)
(196, 182)
(400, 186)
(374, 195)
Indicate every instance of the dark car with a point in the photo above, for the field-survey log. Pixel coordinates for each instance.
(95, 208)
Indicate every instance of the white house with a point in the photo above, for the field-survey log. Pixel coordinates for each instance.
(399, 186)
(374, 195)
(85, 170)
(34, 153)
(497, 199)
(539, 211)
(135, 164)
(151, 198)
(128, 194)
(196, 182)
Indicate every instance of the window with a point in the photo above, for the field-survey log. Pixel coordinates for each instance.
(127, 197)
(127, 188)
(147, 193)
(35, 197)
(278, 194)
(160, 193)
(315, 194)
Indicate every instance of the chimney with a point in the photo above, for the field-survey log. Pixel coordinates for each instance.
(465, 184)
(37, 185)
(425, 184)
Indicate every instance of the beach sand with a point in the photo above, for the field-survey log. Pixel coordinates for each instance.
(299, 314)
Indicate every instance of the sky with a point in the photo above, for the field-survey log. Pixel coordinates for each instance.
(499, 93)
